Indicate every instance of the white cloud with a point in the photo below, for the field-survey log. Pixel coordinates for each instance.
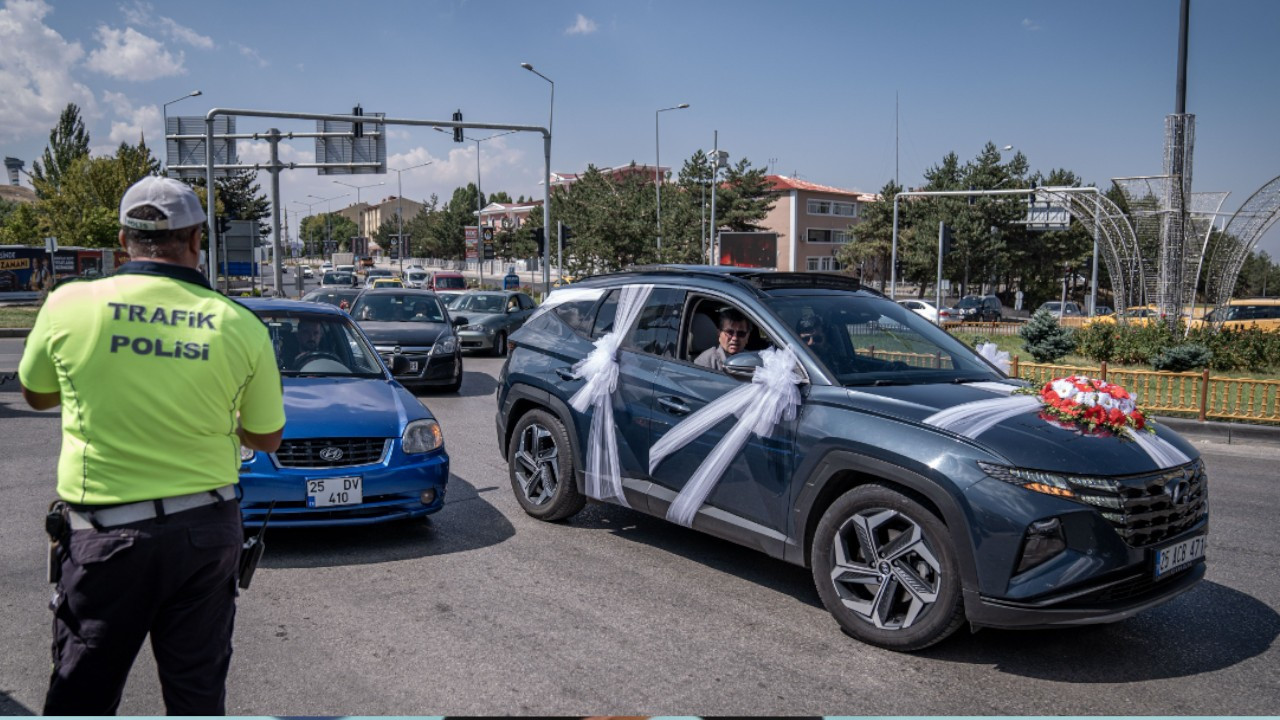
(1030, 24)
(250, 53)
(143, 14)
(35, 72)
(134, 122)
(129, 55)
(583, 26)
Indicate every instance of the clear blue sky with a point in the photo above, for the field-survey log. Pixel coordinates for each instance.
(804, 87)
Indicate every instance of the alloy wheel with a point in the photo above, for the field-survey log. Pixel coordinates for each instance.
(885, 572)
(537, 464)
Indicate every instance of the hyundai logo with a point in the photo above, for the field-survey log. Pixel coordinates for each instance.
(331, 454)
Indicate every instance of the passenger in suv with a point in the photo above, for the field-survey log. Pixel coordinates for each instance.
(872, 447)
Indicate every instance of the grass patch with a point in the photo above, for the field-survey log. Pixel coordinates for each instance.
(18, 316)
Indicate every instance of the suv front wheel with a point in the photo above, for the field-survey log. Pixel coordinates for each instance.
(886, 571)
(540, 463)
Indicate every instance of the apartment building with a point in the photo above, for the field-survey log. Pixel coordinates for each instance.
(812, 221)
(368, 217)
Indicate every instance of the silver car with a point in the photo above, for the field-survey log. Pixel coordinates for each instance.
(491, 316)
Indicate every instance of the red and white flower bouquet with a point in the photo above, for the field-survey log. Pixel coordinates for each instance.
(1092, 405)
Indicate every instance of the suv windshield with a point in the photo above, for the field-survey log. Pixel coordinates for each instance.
(487, 303)
(969, 301)
(319, 345)
(395, 307)
(871, 341)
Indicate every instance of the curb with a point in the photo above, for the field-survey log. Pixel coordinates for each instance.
(1231, 433)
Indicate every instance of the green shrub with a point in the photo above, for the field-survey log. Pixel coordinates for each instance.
(1097, 341)
(1181, 358)
(1139, 344)
(1045, 339)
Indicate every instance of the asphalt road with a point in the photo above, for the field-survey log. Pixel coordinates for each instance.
(483, 610)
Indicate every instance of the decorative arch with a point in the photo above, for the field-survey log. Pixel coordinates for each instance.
(1238, 239)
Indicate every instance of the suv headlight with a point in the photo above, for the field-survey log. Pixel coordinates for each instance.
(445, 346)
(422, 436)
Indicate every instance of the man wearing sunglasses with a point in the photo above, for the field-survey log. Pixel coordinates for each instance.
(735, 329)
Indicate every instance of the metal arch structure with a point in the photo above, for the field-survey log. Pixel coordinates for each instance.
(1254, 218)
(1121, 251)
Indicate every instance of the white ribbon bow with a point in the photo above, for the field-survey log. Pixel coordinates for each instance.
(771, 396)
(995, 356)
(600, 368)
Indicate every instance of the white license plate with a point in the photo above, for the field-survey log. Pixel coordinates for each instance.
(328, 492)
(413, 366)
(1178, 555)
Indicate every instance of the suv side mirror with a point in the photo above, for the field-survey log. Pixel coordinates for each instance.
(743, 365)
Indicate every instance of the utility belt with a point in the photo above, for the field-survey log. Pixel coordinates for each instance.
(64, 517)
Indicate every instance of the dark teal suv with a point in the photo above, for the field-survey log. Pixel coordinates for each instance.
(816, 421)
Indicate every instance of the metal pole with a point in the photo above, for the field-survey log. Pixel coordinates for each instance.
(277, 264)
(1180, 101)
(400, 218)
(893, 254)
(657, 179)
(937, 289)
(1093, 279)
(211, 195)
(479, 223)
(559, 248)
(546, 211)
(704, 219)
(715, 172)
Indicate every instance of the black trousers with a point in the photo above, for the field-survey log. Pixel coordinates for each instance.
(173, 578)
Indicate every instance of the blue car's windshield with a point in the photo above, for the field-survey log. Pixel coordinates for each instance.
(872, 341)
(315, 344)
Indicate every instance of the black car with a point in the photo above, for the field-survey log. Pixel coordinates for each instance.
(849, 435)
(342, 297)
(413, 324)
(976, 308)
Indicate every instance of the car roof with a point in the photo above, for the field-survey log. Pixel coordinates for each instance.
(259, 305)
(760, 282)
(398, 291)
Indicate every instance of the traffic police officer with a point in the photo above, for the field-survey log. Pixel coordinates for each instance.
(161, 380)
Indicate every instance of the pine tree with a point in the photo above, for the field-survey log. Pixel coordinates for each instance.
(68, 141)
(1045, 339)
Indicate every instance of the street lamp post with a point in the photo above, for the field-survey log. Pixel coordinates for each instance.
(308, 206)
(546, 211)
(164, 112)
(400, 210)
(479, 200)
(328, 219)
(358, 188)
(657, 169)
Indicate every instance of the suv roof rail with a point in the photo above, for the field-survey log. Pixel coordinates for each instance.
(757, 279)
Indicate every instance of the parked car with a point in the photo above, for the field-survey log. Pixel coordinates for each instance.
(1104, 310)
(447, 282)
(914, 517)
(341, 297)
(491, 317)
(338, 279)
(1135, 315)
(308, 271)
(975, 308)
(923, 308)
(1062, 309)
(358, 448)
(326, 266)
(413, 325)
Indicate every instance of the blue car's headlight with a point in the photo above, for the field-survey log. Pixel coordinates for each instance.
(445, 346)
(246, 454)
(422, 436)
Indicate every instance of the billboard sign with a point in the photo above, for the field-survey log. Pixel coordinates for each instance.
(749, 249)
(192, 152)
(471, 240)
(1045, 212)
(370, 149)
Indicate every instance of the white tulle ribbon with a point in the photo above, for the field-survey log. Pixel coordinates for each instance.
(771, 396)
(974, 418)
(600, 370)
(994, 355)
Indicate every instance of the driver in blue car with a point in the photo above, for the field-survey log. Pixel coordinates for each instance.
(310, 334)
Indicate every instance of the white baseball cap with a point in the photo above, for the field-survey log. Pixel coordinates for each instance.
(176, 200)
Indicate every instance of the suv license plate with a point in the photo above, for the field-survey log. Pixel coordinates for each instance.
(1179, 555)
(328, 492)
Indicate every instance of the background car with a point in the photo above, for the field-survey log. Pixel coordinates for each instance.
(384, 282)
(1262, 313)
(308, 271)
(1062, 309)
(976, 308)
(919, 491)
(923, 308)
(491, 317)
(447, 282)
(357, 449)
(341, 297)
(338, 279)
(413, 325)
(415, 278)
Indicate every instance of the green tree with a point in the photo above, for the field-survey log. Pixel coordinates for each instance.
(240, 198)
(743, 199)
(613, 220)
(20, 225)
(871, 248)
(84, 209)
(68, 142)
(316, 229)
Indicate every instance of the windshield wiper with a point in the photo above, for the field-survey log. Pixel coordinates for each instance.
(963, 380)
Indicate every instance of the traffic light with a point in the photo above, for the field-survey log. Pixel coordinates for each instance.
(566, 232)
(540, 238)
(457, 132)
(947, 240)
(357, 127)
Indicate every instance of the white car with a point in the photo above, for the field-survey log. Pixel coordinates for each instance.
(307, 271)
(922, 308)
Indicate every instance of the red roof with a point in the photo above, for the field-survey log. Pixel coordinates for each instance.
(782, 183)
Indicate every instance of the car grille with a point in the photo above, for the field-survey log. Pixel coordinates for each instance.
(320, 452)
(1151, 508)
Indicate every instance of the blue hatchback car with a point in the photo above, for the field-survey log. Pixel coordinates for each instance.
(358, 448)
(813, 419)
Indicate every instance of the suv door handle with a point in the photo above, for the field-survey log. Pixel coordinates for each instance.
(674, 406)
(566, 374)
